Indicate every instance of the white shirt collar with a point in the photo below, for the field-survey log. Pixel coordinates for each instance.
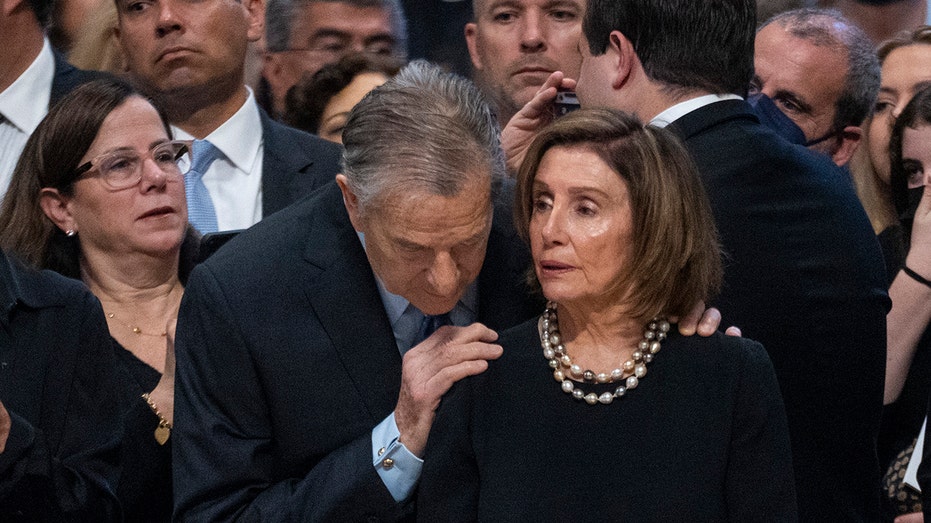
(681, 109)
(237, 138)
(25, 102)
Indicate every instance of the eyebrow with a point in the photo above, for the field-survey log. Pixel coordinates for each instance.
(327, 32)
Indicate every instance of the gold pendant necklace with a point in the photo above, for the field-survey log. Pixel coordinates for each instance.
(135, 328)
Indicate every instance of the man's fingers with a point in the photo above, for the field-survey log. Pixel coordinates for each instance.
(710, 321)
(688, 324)
(733, 331)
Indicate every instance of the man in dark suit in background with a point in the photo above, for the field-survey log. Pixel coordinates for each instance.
(190, 58)
(803, 273)
(32, 78)
(292, 400)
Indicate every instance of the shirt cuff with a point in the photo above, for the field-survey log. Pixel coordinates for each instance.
(398, 468)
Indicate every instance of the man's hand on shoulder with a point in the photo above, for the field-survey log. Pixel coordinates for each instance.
(430, 369)
(6, 424)
(703, 321)
(534, 116)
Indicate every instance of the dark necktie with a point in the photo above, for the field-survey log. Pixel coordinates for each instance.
(429, 325)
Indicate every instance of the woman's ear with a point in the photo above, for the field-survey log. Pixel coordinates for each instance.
(58, 209)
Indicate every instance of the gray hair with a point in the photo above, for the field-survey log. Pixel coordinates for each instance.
(424, 129)
(828, 28)
(279, 20)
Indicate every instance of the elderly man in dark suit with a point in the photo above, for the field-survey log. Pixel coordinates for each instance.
(293, 400)
(190, 59)
(803, 275)
(33, 76)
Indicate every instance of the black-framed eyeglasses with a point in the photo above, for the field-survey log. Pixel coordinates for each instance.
(122, 168)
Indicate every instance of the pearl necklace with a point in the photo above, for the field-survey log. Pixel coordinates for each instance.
(631, 372)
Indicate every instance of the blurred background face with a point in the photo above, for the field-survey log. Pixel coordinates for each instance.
(580, 229)
(148, 217)
(177, 45)
(334, 116)
(905, 71)
(322, 33)
(916, 154)
(803, 80)
(516, 44)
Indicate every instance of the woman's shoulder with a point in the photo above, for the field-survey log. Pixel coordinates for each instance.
(718, 350)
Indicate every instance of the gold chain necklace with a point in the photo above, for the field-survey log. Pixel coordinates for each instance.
(135, 328)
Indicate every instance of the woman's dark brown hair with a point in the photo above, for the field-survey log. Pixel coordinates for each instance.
(675, 257)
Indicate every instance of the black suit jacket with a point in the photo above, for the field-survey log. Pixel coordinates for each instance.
(285, 367)
(59, 382)
(294, 164)
(804, 276)
(67, 77)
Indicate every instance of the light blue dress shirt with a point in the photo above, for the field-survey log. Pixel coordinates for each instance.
(397, 467)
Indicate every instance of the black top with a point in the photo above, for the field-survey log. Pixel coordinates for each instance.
(702, 438)
(145, 482)
(59, 382)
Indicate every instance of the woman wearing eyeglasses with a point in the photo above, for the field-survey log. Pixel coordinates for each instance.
(98, 195)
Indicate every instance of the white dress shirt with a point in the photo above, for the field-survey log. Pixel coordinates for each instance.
(23, 105)
(235, 181)
(681, 109)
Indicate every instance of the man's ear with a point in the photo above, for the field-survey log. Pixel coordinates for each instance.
(624, 58)
(58, 209)
(351, 202)
(470, 36)
(849, 140)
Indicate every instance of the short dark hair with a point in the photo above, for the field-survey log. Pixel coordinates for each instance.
(828, 28)
(306, 101)
(917, 113)
(685, 44)
(676, 258)
(50, 158)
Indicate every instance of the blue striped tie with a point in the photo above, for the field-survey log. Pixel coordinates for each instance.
(200, 209)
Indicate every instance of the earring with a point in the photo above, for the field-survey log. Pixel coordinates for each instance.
(70, 233)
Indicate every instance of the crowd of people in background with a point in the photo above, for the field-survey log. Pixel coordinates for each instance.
(345, 260)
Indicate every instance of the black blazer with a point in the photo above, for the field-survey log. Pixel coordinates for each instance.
(67, 77)
(804, 276)
(59, 382)
(285, 366)
(294, 164)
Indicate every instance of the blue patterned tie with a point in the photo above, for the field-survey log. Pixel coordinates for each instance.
(429, 325)
(200, 211)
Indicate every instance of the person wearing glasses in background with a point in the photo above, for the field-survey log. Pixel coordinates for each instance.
(302, 36)
(98, 195)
